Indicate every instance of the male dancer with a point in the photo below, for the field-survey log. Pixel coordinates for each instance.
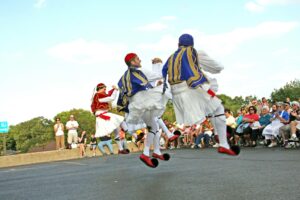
(144, 103)
(193, 97)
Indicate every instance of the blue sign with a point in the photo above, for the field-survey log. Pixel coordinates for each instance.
(3, 127)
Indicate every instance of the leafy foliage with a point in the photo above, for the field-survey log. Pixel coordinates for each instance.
(34, 132)
(291, 90)
(232, 104)
(169, 113)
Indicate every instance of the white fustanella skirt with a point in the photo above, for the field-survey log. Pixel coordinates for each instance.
(105, 127)
(192, 105)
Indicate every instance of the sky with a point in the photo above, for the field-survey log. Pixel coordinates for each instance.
(54, 52)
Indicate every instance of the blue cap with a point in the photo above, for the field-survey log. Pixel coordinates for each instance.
(186, 40)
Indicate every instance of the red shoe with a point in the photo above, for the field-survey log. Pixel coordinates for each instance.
(153, 163)
(174, 137)
(123, 152)
(164, 156)
(227, 151)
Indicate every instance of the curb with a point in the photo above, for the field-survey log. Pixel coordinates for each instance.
(50, 156)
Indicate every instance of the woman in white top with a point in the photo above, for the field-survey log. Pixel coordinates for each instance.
(59, 134)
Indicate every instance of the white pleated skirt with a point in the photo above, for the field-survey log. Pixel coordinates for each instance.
(105, 127)
(192, 105)
(273, 128)
(134, 127)
(145, 102)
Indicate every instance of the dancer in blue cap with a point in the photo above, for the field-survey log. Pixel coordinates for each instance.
(193, 95)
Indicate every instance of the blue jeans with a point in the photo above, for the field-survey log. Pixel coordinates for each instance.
(205, 138)
(108, 143)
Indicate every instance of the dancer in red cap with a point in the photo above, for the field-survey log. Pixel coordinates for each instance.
(106, 122)
(193, 95)
(144, 103)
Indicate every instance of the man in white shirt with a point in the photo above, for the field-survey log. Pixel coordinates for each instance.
(72, 126)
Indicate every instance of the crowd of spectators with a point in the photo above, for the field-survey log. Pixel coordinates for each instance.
(259, 123)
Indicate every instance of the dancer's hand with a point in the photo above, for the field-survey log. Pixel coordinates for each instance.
(206, 87)
(115, 87)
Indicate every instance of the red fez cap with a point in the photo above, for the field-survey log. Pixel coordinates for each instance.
(101, 85)
(129, 57)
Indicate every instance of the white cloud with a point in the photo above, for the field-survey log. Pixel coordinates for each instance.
(40, 3)
(226, 43)
(157, 26)
(221, 45)
(259, 5)
(166, 43)
(254, 7)
(277, 2)
(81, 51)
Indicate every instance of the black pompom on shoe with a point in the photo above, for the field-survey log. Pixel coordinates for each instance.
(236, 149)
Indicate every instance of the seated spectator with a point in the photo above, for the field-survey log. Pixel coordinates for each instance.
(105, 141)
(288, 131)
(272, 130)
(241, 113)
(164, 136)
(186, 135)
(82, 143)
(245, 129)
(123, 141)
(254, 103)
(204, 138)
(264, 120)
(139, 141)
(93, 144)
(230, 124)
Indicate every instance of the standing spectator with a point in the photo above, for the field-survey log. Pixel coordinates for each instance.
(82, 143)
(72, 126)
(59, 134)
(93, 144)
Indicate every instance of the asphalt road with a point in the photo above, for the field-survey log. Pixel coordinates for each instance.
(259, 173)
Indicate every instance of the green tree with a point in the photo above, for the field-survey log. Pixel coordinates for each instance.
(35, 132)
(291, 90)
(232, 104)
(169, 113)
